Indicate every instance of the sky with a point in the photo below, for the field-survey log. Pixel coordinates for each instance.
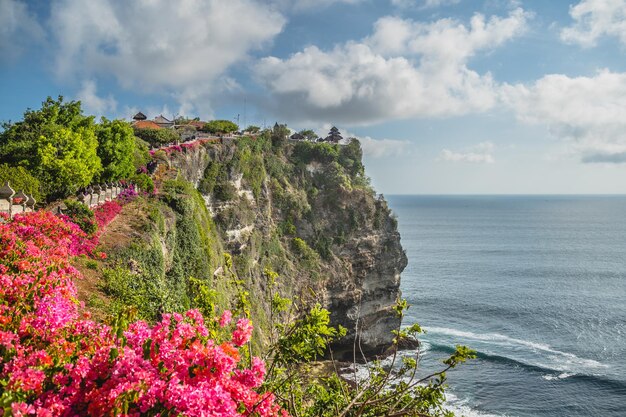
(446, 96)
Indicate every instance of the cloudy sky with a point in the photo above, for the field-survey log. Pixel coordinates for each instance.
(447, 96)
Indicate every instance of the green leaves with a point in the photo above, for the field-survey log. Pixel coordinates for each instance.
(220, 126)
(308, 337)
(57, 144)
(67, 160)
(116, 149)
(460, 355)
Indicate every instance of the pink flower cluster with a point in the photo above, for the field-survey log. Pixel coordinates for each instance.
(55, 361)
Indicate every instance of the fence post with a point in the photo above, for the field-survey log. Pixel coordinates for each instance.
(6, 198)
(30, 203)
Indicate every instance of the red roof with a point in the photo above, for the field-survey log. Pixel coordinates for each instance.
(146, 124)
(197, 124)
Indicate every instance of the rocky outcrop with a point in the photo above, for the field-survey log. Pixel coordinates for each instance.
(354, 258)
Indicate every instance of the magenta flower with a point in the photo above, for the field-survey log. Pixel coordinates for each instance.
(225, 319)
(243, 332)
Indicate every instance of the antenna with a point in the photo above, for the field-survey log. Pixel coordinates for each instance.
(244, 113)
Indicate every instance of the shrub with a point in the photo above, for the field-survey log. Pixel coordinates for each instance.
(157, 137)
(141, 154)
(144, 182)
(56, 362)
(220, 126)
(82, 215)
(307, 152)
(21, 180)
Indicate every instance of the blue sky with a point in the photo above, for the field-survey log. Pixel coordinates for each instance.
(447, 96)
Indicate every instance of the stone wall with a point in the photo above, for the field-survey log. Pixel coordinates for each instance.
(12, 202)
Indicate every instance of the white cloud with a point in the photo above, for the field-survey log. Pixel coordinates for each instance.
(379, 148)
(18, 27)
(424, 4)
(479, 154)
(159, 45)
(306, 5)
(595, 19)
(404, 69)
(586, 112)
(94, 104)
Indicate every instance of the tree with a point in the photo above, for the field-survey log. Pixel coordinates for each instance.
(157, 137)
(309, 134)
(252, 129)
(18, 141)
(56, 143)
(279, 136)
(221, 126)
(20, 180)
(67, 160)
(116, 149)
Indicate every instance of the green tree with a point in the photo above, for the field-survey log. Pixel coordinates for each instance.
(157, 137)
(252, 129)
(20, 180)
(116, 149)
(309, 134)
(141, 154)
(350, 157)
(279, 135)
(67, 160)
(221, 126)
(19, 141)
(56, 143)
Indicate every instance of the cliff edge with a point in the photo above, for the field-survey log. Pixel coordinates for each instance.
(304, 210)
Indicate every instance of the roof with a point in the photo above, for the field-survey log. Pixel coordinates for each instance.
(334, 129)
(198, 124)
(162, 120)
(140, 116)
(297, 136)
(145, 124)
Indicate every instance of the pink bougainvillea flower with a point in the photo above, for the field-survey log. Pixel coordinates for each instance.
(243, 332)
(225, 319)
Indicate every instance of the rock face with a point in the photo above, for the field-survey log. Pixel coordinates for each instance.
(316, 222)
(363, 302)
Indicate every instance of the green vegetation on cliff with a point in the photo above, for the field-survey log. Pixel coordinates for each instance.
(288, 234)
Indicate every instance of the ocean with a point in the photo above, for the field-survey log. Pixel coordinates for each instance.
(535, 284)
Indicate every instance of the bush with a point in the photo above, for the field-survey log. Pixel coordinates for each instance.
(307, 152)
(21, 180)
(209, 179)
(141, 155)
(144, 182)
(80, 214)
(220, 126)
(157, 137)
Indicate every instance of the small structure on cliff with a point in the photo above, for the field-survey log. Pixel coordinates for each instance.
(140, 116)
(162, 121)
(334, 136)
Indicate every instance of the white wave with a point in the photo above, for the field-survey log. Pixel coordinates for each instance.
(361, 371)
(556, 359)
(552, 377)
(461, 408)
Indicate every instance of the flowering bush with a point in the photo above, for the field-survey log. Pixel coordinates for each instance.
(55, 361)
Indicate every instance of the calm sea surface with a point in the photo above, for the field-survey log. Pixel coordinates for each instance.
(535, 284)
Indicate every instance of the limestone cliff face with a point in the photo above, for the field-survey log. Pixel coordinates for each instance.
(315, 220)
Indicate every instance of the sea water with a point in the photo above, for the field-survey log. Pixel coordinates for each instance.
(535, 284)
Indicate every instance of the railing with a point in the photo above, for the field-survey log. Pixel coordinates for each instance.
(13, 203)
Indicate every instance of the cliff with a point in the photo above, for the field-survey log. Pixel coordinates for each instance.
(304, 210)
